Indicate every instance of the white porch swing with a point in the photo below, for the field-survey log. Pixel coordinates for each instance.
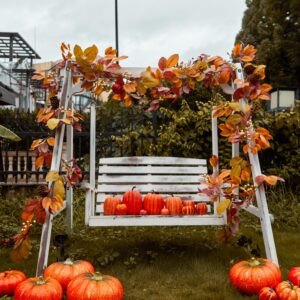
(165, 175)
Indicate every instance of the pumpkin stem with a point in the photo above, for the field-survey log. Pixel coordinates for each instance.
(97, 276)
(134, 187)
(254, 262)
(40, 281)
(291, 284)
(68, 262)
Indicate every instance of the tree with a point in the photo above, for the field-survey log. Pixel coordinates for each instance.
(273, 26)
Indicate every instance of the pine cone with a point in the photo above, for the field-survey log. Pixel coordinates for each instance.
(54, 102)
(43, 190)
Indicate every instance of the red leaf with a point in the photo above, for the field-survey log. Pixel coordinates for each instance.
(162, 64)
(238, 94)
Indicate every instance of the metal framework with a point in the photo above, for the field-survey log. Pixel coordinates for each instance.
(13, 45)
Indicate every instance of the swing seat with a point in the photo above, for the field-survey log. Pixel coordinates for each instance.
(164, 175)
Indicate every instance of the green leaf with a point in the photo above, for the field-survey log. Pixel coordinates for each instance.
(8, 134)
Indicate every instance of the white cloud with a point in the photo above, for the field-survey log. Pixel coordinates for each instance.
(147, 29)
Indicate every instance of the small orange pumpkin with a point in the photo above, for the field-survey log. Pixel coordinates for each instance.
(174, 205)
(133, 201)
(165, 212)
(121, 209)
(285, 290)
(110, 205)
(153, 203)
(188, 210)
(201, 208)
(189, 203)
(267, 293)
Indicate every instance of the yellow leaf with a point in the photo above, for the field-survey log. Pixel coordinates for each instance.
(91, 53)
(52, 123)
(78, 51)
(172, 61)
(66, 121)
(52, 176)
(223, 205)
(233, 119)
(235, 106)
(236, 171)
(58, 187)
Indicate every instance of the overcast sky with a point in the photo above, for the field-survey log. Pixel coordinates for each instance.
(147, 29)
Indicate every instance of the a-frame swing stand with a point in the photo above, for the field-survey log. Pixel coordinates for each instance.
(91, 214)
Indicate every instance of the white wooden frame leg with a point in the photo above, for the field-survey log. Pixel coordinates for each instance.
(90, 193)
(260, 193)
(55, 166)
(69, 193)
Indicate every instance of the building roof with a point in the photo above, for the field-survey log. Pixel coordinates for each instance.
(13, 45)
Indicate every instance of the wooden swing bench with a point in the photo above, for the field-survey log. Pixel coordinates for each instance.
(164, 175)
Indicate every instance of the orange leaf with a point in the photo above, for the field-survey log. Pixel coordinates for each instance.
(35, 144)
(247, 58)
(128, 100)
(272, 180)
(213, 161)
(46, 202)
(237, 50)
(130, 87)
(245, 175)
(265, 87)
(246, 148)
(224, 76)
(27, 216)
(172, 60)
(39, 162)
(51, 141)
(38, 77)
(110, 51)
(120, 58)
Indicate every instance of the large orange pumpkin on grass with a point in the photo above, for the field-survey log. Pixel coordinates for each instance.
(133, 201)
(95, 286)
(39, 288)
(287, 291)
(65, 271)
(267, 293)
(174, 205)
(250, 276)
(110, 205)
(9, 281)
(294, 276)
(153, 203)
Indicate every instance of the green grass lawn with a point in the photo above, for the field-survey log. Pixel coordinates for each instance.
(162, 263)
